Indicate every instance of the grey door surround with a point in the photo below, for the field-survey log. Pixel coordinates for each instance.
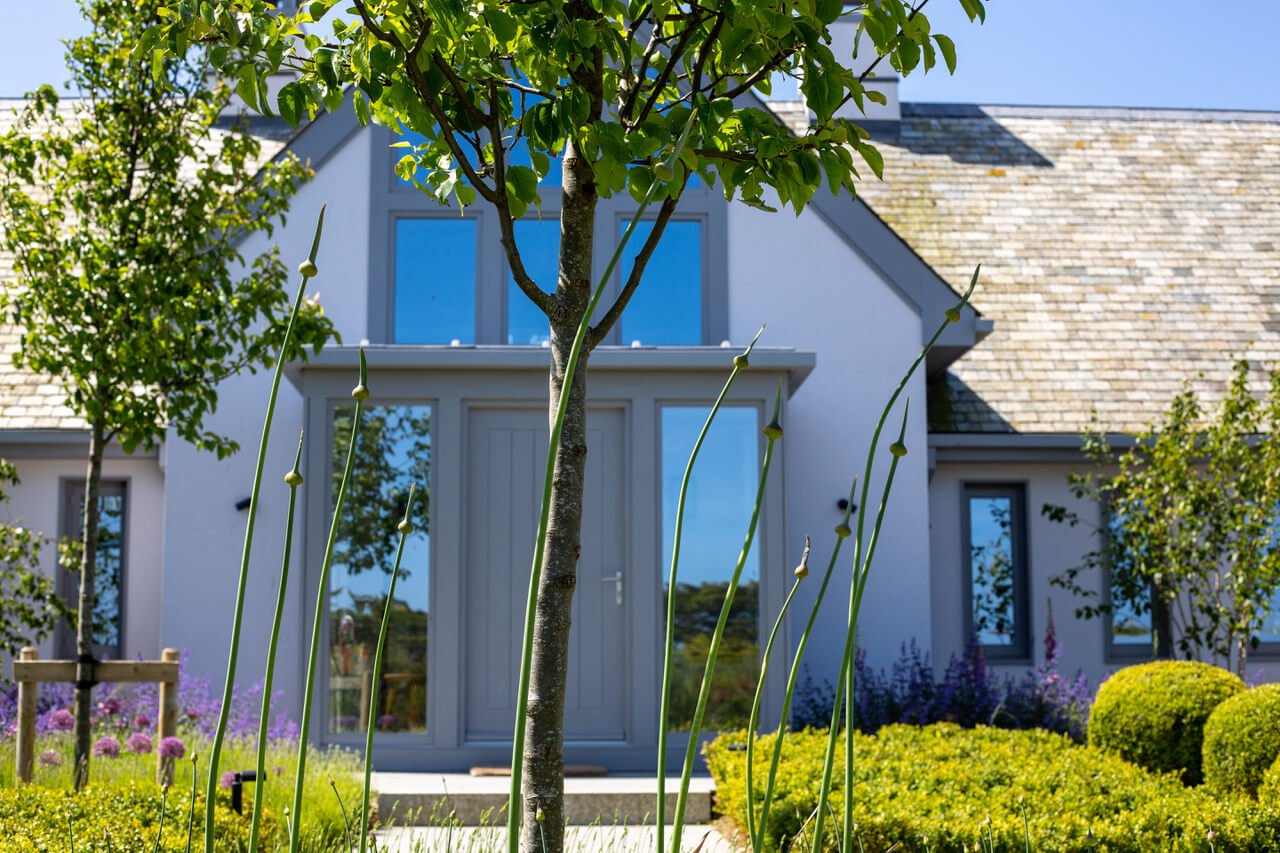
(635, 384)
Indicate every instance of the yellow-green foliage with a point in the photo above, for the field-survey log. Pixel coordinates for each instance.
(942, 782)
(128, 815)
(321, 820)
(1154, 714)
(1242, 740)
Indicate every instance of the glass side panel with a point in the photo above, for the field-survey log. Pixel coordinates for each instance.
(991, 569)
(666, 309)
(108, 581)
(394, 450)
(539, 244)
(435, 281)
(717, 511)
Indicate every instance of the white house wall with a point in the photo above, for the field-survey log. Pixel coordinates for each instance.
(1052, 548)
(815, 292)
(205, 531)
(37, 500)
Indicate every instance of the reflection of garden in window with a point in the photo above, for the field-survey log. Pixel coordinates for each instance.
(717, 510)
(995, 570)
(1130, 607)
(394, 451)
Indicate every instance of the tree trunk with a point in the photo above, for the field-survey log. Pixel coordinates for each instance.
(543, 758)
(84, 616)
(1161, 622)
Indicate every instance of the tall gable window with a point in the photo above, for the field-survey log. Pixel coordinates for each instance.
(109, 570)
(995, 548)
(437, 277)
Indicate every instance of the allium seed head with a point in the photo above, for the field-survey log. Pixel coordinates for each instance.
(106, 747)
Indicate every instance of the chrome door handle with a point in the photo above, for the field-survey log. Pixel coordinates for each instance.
(617, 581)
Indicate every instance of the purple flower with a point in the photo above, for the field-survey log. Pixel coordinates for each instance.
(225, 780)
(171, 747)
(107, 747)
(109, 706)
(142, 721)
(277, 770)
(49, 758)
(139, 743)
(346, 724)
(62, 720)
(386, 721)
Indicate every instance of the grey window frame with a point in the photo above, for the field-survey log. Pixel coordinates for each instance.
(391, 200)
(1019, 652)
(66, 583)
(1112, 651)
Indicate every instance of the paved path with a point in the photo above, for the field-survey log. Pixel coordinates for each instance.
(578, 839)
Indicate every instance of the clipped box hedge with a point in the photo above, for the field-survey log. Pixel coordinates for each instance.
(1154, 714)
(941, 782)
(1242, 741)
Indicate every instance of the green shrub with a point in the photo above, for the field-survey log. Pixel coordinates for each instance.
(1154, 714)
(942, 782)
(1242, 740)
(127, 814)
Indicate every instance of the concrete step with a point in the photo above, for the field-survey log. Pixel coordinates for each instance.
(426, 799)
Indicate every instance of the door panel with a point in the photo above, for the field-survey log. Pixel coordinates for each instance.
(504, 492)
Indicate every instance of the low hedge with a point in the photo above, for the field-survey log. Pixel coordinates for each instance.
(942, 782)
(119, 817)
(1242, 740)
(1154, 714)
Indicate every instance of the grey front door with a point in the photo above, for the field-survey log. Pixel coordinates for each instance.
(506, 457)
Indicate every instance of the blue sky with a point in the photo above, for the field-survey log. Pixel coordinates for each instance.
(1154, 53)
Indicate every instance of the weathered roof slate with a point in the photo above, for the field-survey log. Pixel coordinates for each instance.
(1122, 251)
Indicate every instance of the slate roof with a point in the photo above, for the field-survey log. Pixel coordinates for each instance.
(29, 400)
(1123, 252)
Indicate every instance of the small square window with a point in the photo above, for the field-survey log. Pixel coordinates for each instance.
(666, 309)
(435, 281)
(995, 563)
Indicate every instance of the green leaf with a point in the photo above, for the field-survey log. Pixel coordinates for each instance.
(291, 101)
(873, 158)
(829, 10)
(503, 25)
(948, 49)
(522, 182)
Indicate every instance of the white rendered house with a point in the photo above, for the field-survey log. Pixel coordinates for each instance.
(1110, 273)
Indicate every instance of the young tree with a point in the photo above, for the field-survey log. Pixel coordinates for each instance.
(123, 211)
(1193, 532)
(606, 85)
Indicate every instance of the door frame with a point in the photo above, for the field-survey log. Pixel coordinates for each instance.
(452, 378)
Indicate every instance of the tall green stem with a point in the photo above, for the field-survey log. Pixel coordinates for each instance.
(739, 363)
(535, 572)
(858, 582)
(220, 732)
(755, 701)
(772, 431)
(405, 527)
(842, 533)
(293, 479)
(360, 394)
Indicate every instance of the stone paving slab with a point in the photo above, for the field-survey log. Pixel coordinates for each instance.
(578, 839)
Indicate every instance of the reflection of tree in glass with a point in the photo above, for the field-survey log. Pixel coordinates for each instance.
(108, 574)
(394, 451)
(737, 666)
(992, 571)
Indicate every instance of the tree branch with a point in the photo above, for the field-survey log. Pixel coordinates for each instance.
(428, 97)
(601, 329)
(506, 224)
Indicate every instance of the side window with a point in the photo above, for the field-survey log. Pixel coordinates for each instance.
(435, 281)
(109, 576)
(667, 307)
(1129, 625)
(995, 549)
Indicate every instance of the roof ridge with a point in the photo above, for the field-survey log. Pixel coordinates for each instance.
(966, 110)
